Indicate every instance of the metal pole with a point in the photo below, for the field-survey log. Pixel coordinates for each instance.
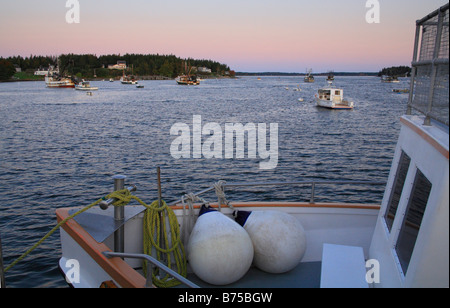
(152, 260)
(119, 216)
(161, 216)
(2, 272)
(313, 192)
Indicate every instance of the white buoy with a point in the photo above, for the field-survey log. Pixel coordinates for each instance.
(278, 239)
(220, 251)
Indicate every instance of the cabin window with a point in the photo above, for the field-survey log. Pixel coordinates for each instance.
(396, 193)
(337, 93)
(413, 219)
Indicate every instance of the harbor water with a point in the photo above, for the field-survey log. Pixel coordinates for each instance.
(60, 148)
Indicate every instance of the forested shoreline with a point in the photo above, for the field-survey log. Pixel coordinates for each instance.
(90, 66)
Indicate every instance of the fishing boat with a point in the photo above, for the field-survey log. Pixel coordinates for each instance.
(56, 81)
(332, 98)
(330, 76)
(187, 79)
(309, 78)
(85, 86)
(128, 80)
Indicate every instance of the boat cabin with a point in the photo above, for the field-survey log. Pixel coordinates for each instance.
(331, 94)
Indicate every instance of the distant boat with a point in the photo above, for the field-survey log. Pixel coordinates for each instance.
(111, 80)
(309, 77)
(332, 98)
(56, 81)
(187, 79)
(85, 86)
(130, 79)
(389, 79)
(400, 90)
(330, 76)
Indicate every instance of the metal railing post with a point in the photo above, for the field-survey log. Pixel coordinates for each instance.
(313, 192)
(119, 216)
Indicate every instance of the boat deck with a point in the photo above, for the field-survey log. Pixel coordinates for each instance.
(305, 275)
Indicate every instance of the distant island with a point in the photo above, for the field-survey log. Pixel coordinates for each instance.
(150, 66)
(303, 74)
(394, 71)
(88, 66)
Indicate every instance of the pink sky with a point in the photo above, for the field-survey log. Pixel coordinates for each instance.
(249, 35)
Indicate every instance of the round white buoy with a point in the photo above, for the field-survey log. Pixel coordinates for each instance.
(278, 239)
(219, 250)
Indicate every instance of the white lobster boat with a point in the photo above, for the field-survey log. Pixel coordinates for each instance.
(332, 98)
(85, 86)
(402, 242)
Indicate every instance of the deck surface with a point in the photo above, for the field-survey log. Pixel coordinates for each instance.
(305, 275)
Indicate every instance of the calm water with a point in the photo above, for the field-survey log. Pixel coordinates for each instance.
(59, 148)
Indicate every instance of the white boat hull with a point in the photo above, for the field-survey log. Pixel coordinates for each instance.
(334, 105)
(86, 89)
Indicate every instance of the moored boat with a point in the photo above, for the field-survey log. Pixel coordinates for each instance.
(56, 81)
(389, 79)
(330, 76)
(85, 86)
(187, 80)
(309, 78)
(332, 98)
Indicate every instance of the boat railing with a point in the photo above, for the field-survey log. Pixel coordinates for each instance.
(429, 88)
(313, 185)
(151, 262)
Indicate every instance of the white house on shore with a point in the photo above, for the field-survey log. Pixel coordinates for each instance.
(121, 65)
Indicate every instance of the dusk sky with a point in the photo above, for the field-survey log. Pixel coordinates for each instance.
(248, 35)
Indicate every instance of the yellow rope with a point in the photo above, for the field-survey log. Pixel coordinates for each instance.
(153, 218)
(169, 250)
(50, 233)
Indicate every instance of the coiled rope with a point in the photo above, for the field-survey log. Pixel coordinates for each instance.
(157, 221)
(162, 237)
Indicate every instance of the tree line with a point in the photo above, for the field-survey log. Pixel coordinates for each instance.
(395, 71)
(89, 65)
